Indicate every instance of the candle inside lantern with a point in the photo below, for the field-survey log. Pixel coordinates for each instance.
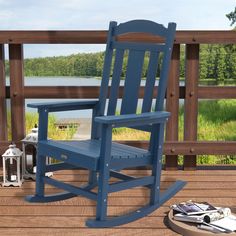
(13, 177)
(29, 159)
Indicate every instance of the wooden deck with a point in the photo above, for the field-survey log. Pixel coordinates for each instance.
(68, 217)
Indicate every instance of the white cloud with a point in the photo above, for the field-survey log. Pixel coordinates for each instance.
(96, 14)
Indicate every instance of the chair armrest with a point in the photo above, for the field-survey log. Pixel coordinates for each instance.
(134, 119)
(65, 106)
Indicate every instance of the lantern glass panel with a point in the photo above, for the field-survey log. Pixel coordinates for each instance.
(11, 170)
(30, 158)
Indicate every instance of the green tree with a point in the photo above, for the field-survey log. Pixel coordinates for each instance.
(232, 16)
(203, 62)
(219, 63)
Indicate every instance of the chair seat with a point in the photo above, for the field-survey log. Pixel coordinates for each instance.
(85, 153)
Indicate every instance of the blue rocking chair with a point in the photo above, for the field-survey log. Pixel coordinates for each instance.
(102, 157)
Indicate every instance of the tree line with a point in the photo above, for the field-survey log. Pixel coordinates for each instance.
(217, 62)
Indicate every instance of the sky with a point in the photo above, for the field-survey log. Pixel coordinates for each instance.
(96, 14)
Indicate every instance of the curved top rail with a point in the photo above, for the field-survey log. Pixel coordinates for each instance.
(141, 26)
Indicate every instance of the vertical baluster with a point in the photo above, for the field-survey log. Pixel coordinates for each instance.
(191, 101)
(17, 91)
(172, 105)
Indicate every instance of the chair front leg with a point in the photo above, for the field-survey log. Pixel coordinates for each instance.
(104, 173)
(157, 147)
(40, 174)
(41, 159)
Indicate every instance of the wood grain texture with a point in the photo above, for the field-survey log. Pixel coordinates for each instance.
(3, 109)
(217, 92)
(204, 92)
(68, 217)
(191, 100)
(85, 232)
(99, 37)
(174, 147)
(17, 91)
(172, 105)
(76, 92)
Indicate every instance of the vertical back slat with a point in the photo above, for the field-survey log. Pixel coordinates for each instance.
(165, 68)
(132, 82)
(150, 81)
(106, 70)
(99, 111)
(115, 82)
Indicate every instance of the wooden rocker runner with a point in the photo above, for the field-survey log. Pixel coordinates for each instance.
(102, 157)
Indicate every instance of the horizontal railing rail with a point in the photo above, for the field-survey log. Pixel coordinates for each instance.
(99, 37)
(17, 92)
(204, 92)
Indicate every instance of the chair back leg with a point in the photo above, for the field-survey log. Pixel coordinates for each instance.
(92, 177)
(101, 211)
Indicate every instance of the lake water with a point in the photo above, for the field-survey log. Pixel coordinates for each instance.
(65, 81)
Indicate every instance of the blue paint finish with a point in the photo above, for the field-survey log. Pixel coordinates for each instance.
(138, 46)
(127, 184)
(132, 82)
(50, 198)
(92, 177)
(165, 67)
(102, 157)
(139, 213)
(134, 119)
(95, 129)
(41, 159)
(141, 26)
(106, 69)
(58, 196)
(71, 189)
(64, 106)
(119, 175)
(104, 172)
(150, 81)
(115, 82)
(156, 147)
(60, 166)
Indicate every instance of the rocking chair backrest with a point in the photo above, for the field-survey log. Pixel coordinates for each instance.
(158, 55)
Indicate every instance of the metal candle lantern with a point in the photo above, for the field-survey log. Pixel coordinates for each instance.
(12, 175)
(29, 146)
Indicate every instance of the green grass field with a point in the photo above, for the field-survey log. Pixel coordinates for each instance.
(53, 132)
(216, 122)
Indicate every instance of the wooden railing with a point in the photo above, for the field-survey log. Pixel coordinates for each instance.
(191, 92)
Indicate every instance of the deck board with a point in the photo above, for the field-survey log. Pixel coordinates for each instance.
(68, 217)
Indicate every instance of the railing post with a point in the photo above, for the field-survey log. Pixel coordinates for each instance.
(191, 102)
(172, 105)
(17, 91)
(3, 108)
